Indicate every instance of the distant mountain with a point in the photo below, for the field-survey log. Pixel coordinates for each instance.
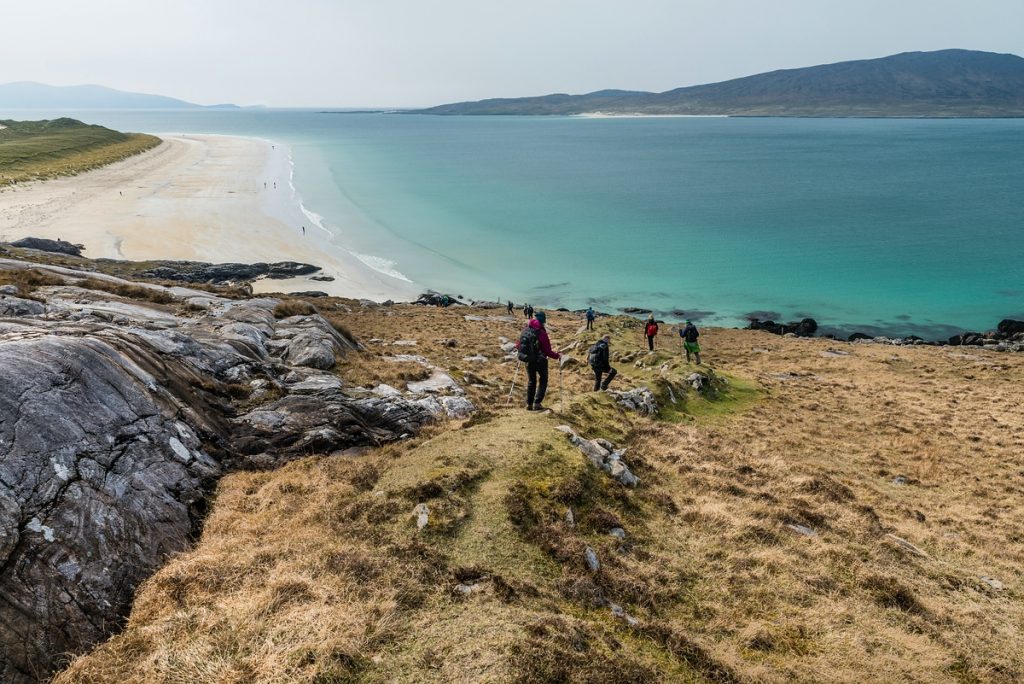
(945, 83)
(29, 95)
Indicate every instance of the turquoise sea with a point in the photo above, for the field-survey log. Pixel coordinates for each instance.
(894, 226)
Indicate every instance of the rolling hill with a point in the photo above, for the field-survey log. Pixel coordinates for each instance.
(944, 83)
(30, 95)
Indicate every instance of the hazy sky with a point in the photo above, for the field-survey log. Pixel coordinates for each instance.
(421, 52)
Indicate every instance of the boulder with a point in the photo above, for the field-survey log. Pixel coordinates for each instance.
(16, 306)
(640, 400)
(45, 245)
(1010, 327)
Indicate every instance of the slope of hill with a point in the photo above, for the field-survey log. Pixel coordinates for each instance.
(33, 150)
(834, 512)
(30, 95)
(945, 83)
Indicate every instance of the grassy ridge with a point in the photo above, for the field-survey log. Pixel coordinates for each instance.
(37, 150)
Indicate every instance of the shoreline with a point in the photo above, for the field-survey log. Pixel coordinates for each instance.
(210, 198)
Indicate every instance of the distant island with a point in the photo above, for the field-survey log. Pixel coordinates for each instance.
(940, 84)
(30, 95)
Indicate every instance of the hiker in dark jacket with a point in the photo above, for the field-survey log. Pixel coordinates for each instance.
(650, 330)
(690, 335)
(535, 350)
(528, 311)
(511, 307)
(590, 318)
(599, 357)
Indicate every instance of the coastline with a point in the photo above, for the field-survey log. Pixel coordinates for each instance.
(213, 198)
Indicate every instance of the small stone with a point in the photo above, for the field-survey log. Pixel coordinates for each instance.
(899, 480)
(617, 532)
(993, 583)
(802, 529)
(570, 518)
(903, 543)
(620, 613)
(590, 556)
(476, 358)
(422, 514)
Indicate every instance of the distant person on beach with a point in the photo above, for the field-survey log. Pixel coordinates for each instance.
(690, 335)
(303, 230)
(651, 331)
(600, 362)
(511, 307)
(590, 318)
(264, 185)
(528, 311)
(275, 185)
(445, 301)
(534, 350)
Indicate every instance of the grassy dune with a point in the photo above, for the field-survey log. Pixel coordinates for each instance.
(36, 150)
(907, 464)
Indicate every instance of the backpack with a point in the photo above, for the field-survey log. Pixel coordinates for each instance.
(691, 333)
(529, 345)
(596, 356)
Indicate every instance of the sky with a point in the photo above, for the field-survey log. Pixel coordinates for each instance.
(397, 53)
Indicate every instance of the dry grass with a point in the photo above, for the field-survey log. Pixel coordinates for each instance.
(316, 573)
(28, 279)
(294, 307)
(140, 292)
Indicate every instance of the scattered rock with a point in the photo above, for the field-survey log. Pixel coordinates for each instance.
(802, 529)
(405, 343)
(619, 613)
(993, 583)
(570, 518)
(617, 532)
(600, 457)
(422, 514)
(805, 328)
(476, 358)
(590, 558)
(904, 544)
(640, 400)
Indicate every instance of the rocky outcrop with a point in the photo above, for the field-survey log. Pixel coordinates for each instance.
(117, 417)
(602, 454)
(54, 246)
(436, 299)
(197, 272)
(804, 328)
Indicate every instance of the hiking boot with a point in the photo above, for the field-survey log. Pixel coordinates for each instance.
(529, 407)
(538, 407)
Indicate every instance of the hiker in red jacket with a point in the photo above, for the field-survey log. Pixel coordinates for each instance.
(535, 350)
(650, 330)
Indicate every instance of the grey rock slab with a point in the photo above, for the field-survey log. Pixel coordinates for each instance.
(591, 560)
(422, 513)
(802, 530)
(16, 306)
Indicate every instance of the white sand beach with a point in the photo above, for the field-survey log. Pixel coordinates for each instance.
(194, 197)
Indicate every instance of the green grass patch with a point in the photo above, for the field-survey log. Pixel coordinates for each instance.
(37, 150)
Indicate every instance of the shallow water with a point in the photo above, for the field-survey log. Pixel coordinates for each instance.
(897, 226)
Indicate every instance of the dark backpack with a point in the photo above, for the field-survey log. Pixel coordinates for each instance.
(691, 333)
(597, 356)
(529, 345)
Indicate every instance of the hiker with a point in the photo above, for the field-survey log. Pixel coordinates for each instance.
(599, 358)
(528, 311)
(303, 230)
(511, 307)
(650, 330)
(590, 318)
(535, 349)
(690, 335)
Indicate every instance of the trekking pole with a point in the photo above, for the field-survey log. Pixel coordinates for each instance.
(513, 387)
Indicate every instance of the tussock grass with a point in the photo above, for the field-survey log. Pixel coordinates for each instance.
(316, 572)
(129, 291)
(28, 279)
